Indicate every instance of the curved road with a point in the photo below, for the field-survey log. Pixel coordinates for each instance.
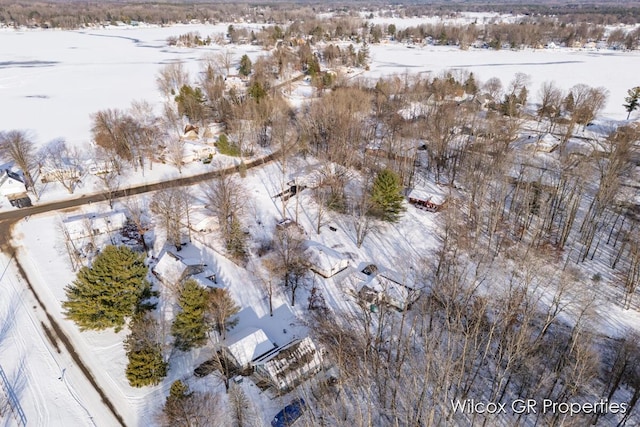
(8, 219)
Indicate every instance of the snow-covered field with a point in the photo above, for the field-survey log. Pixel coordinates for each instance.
(50, 83)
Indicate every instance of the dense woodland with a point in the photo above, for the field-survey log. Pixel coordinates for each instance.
(530, 254)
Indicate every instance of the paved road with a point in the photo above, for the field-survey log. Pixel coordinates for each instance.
(8, 219)
(14, 215)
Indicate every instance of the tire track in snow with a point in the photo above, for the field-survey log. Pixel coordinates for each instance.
(67, 344)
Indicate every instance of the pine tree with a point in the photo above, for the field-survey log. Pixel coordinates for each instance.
(245, 65)
(146, 365)
(189, 327)
(105, 294)
(191, 103)
(236, 241)
(633, 101)
(176, 407)
(386, 196)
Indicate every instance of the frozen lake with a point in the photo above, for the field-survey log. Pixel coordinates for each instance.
(52, 81)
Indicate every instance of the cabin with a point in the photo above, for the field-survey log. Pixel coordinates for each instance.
(325, 261)
(246, 346)
(286, 366)
(427, 200)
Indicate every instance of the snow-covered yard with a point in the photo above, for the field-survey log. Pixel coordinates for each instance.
(54, 80)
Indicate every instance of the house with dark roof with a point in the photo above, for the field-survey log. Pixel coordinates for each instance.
(11, 184)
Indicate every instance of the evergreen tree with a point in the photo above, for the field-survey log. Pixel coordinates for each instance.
(105, 294)
(227, 147)
(146, 365)
(236, 240)
(633, 101)
(245, 65)
(569, 103)
(177, 406)
(470, 86)
(189, 327)
(257, 91)
(386, 196)
(191, 103)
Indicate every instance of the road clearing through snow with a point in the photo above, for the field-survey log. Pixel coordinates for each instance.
(55, 333)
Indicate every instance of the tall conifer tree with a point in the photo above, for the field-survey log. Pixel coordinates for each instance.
(105, 294)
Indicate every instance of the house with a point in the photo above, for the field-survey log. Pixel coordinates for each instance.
(194, 151)
(325, 261)
(172, 268)
(381, 290)
(87, 225)
(431, 199)
(11, 184)
(547, 143)
(245, 347)
(288, 365)
(51, 174)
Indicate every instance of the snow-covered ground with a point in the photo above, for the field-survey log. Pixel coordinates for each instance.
(51, 81)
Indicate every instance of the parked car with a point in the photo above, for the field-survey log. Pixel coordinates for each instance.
(205, 368)
(290, 414)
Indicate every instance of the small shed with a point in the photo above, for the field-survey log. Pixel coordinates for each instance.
(248, 345)
(325, 261)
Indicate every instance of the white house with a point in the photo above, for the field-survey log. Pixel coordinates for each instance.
(289, 364)
(11, 184)
(93, 224)
(194, 151)
(172, 268)
(248, 345)
(325, 261)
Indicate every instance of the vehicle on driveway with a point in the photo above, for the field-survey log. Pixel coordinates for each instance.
(205, 368)
(290, 414)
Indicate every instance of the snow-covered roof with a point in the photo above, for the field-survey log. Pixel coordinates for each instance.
(172, 267)
(83, 225)
(547, 143)
(431, 194)
(11, 183)
(287, 364)
(248, 345)
(325, 260)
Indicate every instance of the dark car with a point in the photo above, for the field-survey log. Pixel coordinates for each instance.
(205, 368)
(289, 414)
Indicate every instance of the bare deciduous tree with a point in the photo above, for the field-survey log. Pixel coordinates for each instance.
(62, 164)
(18, 146)
(172, 206)
(171, 78)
